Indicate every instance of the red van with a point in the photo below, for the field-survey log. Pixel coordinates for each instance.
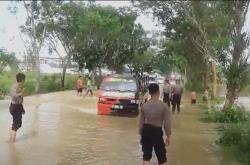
(118, 94)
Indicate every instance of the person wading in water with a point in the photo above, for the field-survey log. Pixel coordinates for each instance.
(177, 91)
(16, 106)
(79, 86)
(154, 115)
(167, 92)
(89, 88)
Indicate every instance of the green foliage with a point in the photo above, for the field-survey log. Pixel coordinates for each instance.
(237, 75)
(108, 37)
(8, 59)
(143, 63)
(95, 36)
(29, 87)
(237, 136)
(195, 86)
(232, 135)
(6, 80)
(232, 115)
(49, 83)
(245, 91)
(195, 30)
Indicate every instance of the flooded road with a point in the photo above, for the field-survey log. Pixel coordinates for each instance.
(63, 129)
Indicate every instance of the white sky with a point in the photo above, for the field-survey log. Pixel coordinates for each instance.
(10, 33)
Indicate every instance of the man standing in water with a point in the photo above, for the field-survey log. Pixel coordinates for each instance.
(16, 106)
(153, 116)
(166, 92)
(79, 86)
(177, 92)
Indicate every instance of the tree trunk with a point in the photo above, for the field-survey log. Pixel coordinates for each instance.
(36, 54)
(37, 72)
(231, 96)
(214, 80)
(205, 81)
(93, 76)
(63, 76)
(64, 70)
(100, 71)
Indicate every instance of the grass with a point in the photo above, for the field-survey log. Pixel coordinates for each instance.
(245, 92)
(232, 115)
(234, 131)
(235, 140)
(49, 83)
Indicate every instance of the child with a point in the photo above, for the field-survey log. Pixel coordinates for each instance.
(193, 97)
(205, 96)
(79, 86)
(89, 88)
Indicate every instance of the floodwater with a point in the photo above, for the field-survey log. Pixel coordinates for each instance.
(63, 129)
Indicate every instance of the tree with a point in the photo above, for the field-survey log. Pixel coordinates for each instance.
(197, 27)
(236, 67)
(62, 29)
(142, 63)
(8, 59)
(107, 37)
(35, 29)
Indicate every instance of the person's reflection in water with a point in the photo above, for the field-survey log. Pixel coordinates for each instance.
(14, 159)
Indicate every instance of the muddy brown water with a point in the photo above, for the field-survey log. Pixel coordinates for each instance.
(63, 129)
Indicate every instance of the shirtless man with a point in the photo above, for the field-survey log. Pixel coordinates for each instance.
(79, 86)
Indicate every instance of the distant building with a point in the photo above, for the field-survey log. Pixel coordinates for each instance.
(56, 62)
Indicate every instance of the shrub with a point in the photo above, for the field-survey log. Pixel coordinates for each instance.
(232, 135)
(237, 136)
(232, 115)
(5, 83)
(29, 87)
(196, 86)
(50, 83)
(70, 82)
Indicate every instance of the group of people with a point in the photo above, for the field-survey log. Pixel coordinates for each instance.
(80, 86)
(205, 97)
(16, 106)
(172, 94)
(154, 115)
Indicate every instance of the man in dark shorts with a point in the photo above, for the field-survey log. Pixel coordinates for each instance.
(79, 86)
(16, 106)
(153, 116)
(167, 92)
(177, 91)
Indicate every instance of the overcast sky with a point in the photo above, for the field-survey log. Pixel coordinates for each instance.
(10, 33)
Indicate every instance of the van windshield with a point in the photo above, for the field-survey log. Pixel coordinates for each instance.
(123, 86)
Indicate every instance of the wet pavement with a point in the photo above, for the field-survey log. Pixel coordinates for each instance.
(61, 128)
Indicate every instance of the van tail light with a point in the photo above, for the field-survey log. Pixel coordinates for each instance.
(102, 100)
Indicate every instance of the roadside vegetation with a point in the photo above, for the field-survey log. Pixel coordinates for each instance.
(49, 83)
(232, 115)
(234, 130)
(235, 138)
